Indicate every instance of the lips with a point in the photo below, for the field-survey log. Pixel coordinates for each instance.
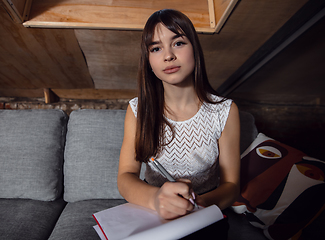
(171, 69)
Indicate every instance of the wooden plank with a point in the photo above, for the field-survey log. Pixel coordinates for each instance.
(18, 92)
(223, 10)
(212, 14)
(27, 8)
(102, 14)
(18, 5)
(18, 9)
(90, 93)
(50, 96)
(15, 9)
(86, 93)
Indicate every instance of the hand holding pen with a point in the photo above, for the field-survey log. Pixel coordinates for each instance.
(164, 172)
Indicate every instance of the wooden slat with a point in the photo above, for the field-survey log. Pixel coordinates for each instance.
(223, 10)
(19, 5)
(212, 14)
(15, 8)
(50, 96)
(18, 92)
(86, 93)
(95, 93)
(27, 8)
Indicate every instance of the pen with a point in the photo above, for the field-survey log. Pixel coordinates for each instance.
(164, 172)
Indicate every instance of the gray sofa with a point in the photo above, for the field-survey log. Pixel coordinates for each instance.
(57, 170)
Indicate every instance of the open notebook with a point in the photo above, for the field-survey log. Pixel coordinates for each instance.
(131, 222)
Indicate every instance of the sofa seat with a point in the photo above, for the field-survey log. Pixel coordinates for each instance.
(76, 221)
(26, 219)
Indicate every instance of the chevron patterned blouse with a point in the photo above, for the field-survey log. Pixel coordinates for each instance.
(193, 153)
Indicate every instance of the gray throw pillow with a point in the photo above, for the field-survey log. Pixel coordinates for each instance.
(94, 140)
(248, 130)
(31, 153)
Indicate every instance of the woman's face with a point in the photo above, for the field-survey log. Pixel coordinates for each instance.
(171, 56)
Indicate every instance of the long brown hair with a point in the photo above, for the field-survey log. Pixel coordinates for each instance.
(150, 114)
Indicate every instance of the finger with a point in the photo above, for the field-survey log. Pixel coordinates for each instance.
(175, 202)
(185, 188)
(173, 207)
(172, 198)
(188, 193)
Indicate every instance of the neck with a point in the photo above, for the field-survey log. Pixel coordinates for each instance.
(181, 103)
(180, 97)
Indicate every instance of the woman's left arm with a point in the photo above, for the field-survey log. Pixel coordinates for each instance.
(229, 162)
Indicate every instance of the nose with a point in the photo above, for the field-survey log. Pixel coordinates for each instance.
(169, 56)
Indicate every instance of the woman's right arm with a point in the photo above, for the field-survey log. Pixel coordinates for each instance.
(131, 187)
(165, 200)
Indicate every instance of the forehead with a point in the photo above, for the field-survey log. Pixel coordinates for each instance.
(161, 32)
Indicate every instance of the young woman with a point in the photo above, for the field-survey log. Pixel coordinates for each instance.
(178, 120)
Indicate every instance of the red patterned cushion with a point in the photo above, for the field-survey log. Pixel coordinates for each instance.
(282, 189)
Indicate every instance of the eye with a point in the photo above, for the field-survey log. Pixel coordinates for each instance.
(179, 43)
(268, 152)
(154, 49)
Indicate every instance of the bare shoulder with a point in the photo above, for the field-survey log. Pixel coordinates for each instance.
(233, 117)
(130, 121)
(232, 127)
(127, 154)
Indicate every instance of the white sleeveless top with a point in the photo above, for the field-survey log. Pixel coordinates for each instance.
(193, 153)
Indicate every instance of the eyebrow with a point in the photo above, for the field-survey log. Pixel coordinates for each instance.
(174, 37)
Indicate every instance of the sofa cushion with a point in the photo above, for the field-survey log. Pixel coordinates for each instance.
(31, 153)
(282, 189)
(27, 219)
(94, 140)
(248, 130)
(76, 221)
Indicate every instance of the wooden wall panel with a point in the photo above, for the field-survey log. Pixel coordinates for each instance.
(40, 58)
(295, 75)
(247, 29)
(112, 57)
(52, 58)
(301, 127)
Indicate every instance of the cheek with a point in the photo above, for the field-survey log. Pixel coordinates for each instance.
(154, 66)
(152, 62)
(188, 55)
(190, 60)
